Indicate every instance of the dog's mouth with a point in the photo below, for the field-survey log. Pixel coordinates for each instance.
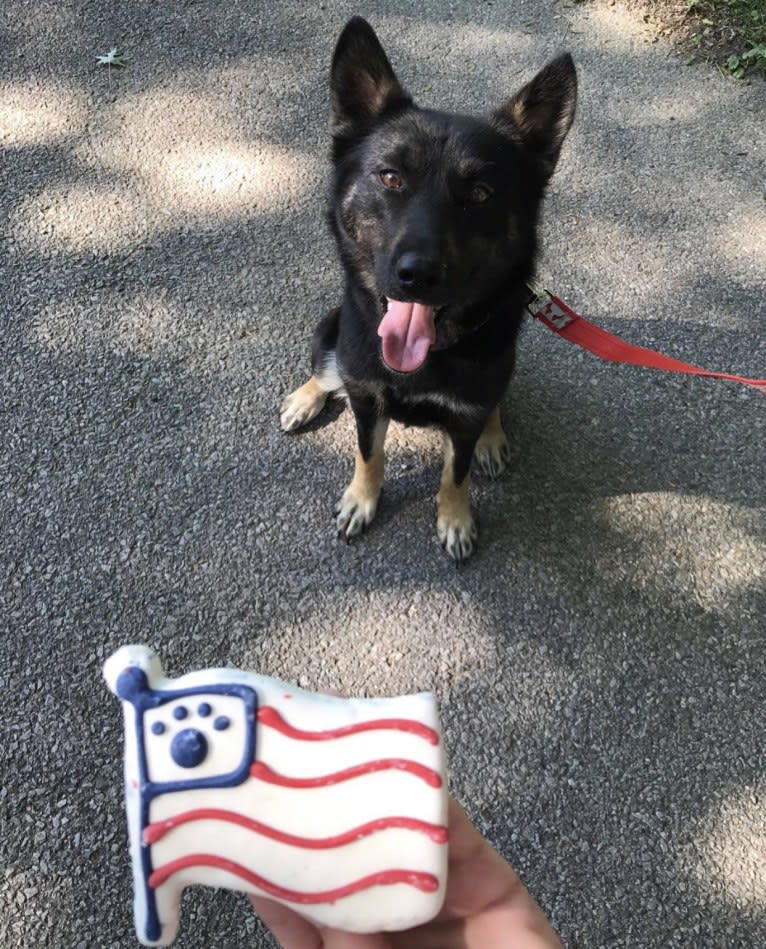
(407, 331)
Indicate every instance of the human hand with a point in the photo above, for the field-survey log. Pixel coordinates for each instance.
(486, 906)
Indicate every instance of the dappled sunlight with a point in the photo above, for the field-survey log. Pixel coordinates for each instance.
(471, 39)
(37, 113)
(688, 543)
(741, 242)
(154, 163)
(190, 157)
(732, 850)
(211, 179)
(642, 266)
(627, 33)
(665, 107)
(492, 54)
(80, 217)
(410, 641)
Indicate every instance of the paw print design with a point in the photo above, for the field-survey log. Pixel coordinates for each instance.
(194, 738)
(189, 746)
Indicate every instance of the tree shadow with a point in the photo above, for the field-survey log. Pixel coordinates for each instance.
(599, 662)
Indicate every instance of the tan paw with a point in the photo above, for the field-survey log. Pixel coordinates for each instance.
(458, 537)
(455, 526)
(355, 510)
(493, 453)
(301, 406)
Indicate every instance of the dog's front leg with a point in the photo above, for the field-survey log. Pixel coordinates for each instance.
(493, 452)
(455, 525)
(359, 503)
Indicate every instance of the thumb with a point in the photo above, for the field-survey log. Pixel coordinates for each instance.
(292, 931)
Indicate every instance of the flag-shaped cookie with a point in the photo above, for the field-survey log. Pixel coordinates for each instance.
(334, 807)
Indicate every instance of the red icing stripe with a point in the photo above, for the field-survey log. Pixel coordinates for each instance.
(426, 882)
(157, 830)
(265, 773)
(271, 717)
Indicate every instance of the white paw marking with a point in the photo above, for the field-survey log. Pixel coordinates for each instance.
(458, 534)
(299, 408)
(493, 454)
(354, 512)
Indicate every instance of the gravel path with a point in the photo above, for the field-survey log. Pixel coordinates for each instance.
(163, 259)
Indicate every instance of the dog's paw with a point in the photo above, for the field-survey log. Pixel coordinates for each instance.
(494, 453)
(301, 406)
(458, 534)
(354, 512)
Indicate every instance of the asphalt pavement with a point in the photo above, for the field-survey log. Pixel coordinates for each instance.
(163, 260)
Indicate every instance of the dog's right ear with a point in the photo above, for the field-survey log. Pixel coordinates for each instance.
(364, 86)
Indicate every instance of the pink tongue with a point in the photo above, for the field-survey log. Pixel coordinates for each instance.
(408, 332)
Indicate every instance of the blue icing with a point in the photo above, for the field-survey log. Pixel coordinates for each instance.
(221, 723)
(158, 728)
(204, 709)
(132, 685)
(180, 712)
(188, 748)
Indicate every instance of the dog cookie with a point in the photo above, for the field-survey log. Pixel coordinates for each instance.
(334, 807)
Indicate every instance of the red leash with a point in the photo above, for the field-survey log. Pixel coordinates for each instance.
(557, 316)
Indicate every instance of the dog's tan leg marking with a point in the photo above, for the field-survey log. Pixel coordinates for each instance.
(359, 503)
(493, 450)
(455, 525)
(301, 406)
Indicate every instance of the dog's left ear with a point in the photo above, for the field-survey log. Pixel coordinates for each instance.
(364, 86)
(540, 114)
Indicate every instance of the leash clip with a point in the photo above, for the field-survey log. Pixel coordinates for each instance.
(546, 307)
(558, 318)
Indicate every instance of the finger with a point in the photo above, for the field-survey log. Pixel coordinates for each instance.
(492, 928)
(477, 875)
(485, 891)
(290, 930)
(530, 928)
(337, 939)
(447, 935)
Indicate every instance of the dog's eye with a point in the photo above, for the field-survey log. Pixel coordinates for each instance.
(480, 193)
(392, 179)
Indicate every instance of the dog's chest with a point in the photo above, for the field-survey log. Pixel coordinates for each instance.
(426, 407)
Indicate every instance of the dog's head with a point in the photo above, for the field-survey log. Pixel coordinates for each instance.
(435, 213)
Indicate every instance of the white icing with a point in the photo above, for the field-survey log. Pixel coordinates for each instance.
(224, 754)
(315, 757)
(313, 813)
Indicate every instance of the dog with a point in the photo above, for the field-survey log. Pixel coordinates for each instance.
(434, 216)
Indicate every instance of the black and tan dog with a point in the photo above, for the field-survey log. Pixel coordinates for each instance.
(434, 216)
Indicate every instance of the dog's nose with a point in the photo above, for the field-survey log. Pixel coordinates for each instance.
(418, 272)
